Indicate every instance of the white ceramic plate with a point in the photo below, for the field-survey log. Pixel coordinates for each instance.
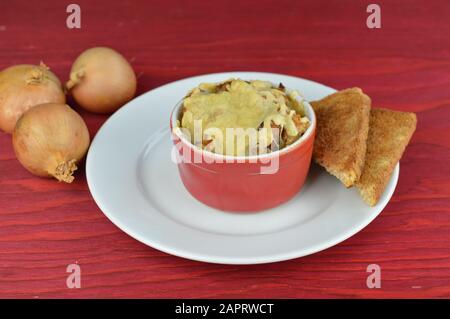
(136, 184)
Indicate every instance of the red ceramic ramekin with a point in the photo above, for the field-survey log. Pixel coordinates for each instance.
(244, 184)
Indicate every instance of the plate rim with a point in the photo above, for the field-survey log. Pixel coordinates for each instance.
(328, 243)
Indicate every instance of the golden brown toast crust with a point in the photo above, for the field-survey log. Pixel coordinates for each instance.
(342, 129)
(389, 134)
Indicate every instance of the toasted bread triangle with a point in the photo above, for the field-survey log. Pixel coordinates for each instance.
(342, 129)
(389, 134)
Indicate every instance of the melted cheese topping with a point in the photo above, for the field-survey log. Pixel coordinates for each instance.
(239, 104)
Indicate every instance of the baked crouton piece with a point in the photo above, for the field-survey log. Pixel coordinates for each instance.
(342, 129)
(389, 134)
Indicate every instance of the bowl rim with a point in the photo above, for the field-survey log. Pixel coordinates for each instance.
(309, 133)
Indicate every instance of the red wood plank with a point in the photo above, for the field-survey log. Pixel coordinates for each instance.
(405, 65)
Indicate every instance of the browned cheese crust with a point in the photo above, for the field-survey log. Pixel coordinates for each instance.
(342, 129)
(389, 134)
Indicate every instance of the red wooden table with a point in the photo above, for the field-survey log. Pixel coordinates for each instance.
(405, 65)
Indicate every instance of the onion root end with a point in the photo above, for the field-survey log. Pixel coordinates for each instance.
(64, 171)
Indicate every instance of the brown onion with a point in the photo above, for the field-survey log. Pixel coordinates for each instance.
(50, 139)
(24, 86)
(101, 80)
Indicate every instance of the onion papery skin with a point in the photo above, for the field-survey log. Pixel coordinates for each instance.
(24, 86)
(50, 139)
(101, 80)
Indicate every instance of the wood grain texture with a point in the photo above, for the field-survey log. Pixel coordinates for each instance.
(405, 65)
